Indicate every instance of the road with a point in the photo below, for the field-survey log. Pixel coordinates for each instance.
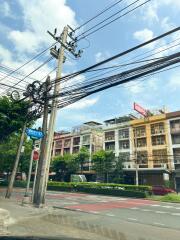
(127, 217)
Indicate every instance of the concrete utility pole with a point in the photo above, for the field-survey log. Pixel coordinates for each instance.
(38, 190)
(135, 154)
(13, 174)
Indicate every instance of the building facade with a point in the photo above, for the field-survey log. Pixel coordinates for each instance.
(148, 147)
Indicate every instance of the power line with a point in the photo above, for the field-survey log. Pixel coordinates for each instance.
(99, 14)
(114, 19)
(69, 76)
(26, 63)
(108, 18)
(41, 65)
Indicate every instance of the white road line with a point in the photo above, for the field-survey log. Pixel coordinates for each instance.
(78, 209)
(160, 224)
(94, 212)
(132, 219)
(155, 205)
(175, 214)
(177, 207)
(110, 215)
(167, 206)
(146, 210)
(134, 208)
(160, 212)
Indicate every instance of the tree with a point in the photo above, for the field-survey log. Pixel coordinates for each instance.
(12, 116)
(8, 150)
(64, 166)
(82, 157)
(103, 162)
(118, 170)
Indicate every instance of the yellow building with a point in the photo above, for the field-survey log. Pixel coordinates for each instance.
(151, 149)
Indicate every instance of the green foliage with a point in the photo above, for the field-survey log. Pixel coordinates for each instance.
(82, 157)
(8, 150)
(103, 162)
(64, 166)
(12, 116)
(172, 197)
(106, 189)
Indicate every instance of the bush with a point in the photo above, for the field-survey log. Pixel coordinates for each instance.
(102, 188)
(21, 184)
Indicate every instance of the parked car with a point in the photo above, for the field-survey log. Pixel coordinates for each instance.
(161, 190)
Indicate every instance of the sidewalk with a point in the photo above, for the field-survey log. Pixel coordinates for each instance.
(24, 220)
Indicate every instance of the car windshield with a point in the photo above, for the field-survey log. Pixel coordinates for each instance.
(90, 119)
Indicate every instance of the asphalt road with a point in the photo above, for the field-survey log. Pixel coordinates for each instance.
(116, 217)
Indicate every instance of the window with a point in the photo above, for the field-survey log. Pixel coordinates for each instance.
(142, 157)
(109, 146)
(123, 133)
(124, 144)
(59, 144)
(157, 128)
(175, 124)
(124, 157)
(141, 142)
(75, 149)
(158, 140)
(176, 153)
(67, 143)
(86, 139)
(109, 136)
(175, 139)
(160, 156)
(140, 131)
(76, 141)
(58, 152)
(66, 150)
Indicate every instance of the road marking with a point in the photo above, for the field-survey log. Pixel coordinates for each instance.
(167, 206)
(132, 219)
(134, 208)
(110, 215)
(175, 214)
(78, 209)
(156, 223)
(160, 212)
(155, 205)
(177, 207)
(146, 210)
(94, 212)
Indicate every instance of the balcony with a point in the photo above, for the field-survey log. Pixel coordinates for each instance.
(109, 136)
(110, 146)
(124, 144)
(123, 134)
(67, 144)
(76, 141)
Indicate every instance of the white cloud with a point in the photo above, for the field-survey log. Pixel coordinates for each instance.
(83, 103)
(40, 16)
(99, 56)
(143, 35)
(174, 83)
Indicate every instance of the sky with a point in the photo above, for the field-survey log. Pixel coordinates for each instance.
(23, 30)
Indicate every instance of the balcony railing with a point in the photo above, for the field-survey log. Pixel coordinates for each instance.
(175, 129)
(109, 138)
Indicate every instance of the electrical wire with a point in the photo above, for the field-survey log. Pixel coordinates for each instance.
(97, 15)
(140, 5)
(41, 65)
(29, 61)
(69, 76)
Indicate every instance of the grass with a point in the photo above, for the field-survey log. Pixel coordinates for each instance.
(172, 197)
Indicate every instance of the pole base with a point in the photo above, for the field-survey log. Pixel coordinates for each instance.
(26, 200)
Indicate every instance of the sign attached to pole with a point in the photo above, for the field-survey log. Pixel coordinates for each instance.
(35, 155)
(140, 110)
(34, 134)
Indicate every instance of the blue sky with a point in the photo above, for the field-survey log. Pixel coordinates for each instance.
(23, 26)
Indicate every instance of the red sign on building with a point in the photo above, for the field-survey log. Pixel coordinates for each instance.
(140, 109)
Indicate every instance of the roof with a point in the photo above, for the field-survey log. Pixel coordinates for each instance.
(173, 114)
(125, 118)
(92, 123)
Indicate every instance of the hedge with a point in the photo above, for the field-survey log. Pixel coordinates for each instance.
(95, 188)
(100, 188)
